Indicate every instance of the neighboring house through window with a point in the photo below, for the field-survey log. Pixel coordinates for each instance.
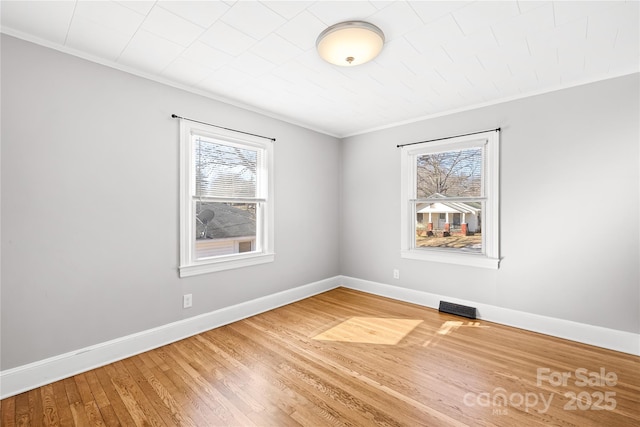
(226, 218)
(450, 200)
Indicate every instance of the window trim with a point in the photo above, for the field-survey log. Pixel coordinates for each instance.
(189, 266)
(490, 217)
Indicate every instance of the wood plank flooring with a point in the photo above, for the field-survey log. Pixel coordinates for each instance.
(346, 358)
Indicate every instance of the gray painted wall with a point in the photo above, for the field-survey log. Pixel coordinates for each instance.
(565, 157)
(90, 205)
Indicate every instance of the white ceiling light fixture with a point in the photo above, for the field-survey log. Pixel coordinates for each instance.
(350, 43)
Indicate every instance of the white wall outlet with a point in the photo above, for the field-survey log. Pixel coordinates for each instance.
(187, 300)
(396, 273)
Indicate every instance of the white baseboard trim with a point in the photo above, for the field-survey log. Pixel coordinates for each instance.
(23, 378)
(36, 374)
(612, 339)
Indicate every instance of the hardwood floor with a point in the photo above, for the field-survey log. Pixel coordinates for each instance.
(348, 358)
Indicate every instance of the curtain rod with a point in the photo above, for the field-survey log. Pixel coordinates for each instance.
(448, 137)
(175, 116)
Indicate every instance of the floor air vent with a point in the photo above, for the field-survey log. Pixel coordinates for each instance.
(457, 309)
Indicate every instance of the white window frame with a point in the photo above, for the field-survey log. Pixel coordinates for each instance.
(490, 258)
(264, 251)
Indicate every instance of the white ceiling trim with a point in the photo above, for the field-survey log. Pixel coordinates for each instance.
(441, 58)
(73, 52)
(490, 103)
(130, 70)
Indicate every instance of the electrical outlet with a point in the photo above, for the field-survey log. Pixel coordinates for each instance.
(187, 300)
(396, 273)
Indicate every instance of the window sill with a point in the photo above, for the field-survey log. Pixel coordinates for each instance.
(472, 260)
(211, 266)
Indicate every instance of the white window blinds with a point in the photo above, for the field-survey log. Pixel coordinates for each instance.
(224, 170)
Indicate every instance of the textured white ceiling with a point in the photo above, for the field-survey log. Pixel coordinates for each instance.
(438, 57)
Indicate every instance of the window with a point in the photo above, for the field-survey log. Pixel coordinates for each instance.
(450, 200)
(226, 218)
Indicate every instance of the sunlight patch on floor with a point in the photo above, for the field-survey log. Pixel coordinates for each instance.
(370, 330)
(448, 328)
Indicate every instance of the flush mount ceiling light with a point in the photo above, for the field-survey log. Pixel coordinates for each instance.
(350, 43)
